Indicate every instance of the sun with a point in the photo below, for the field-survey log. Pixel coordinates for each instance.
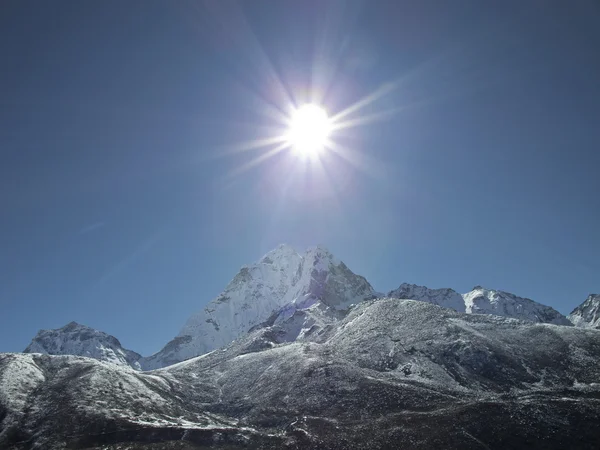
(309, 128)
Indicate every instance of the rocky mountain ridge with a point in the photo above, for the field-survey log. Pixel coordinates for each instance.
(304, 293)
(390, 373)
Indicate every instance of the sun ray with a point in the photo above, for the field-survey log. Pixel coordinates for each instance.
(225, 23)
(364, 120)
(258, 160)
(287, 167)
(267, 92)
(326, 175)
(254, 144)
(359, 160)
(370, 98)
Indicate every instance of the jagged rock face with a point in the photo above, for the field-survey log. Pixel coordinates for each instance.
(488, 301)
(330, 281)
(76, 339)
(315, 323)
(587, 315)
(390, 374)
(282, 277)
(447, 298)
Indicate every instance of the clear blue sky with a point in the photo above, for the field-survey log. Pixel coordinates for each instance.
(124, 206)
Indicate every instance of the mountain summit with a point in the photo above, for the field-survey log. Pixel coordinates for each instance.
(489, 301)
(281, 278)
(77, 339)
(448, 298)
(482, 301)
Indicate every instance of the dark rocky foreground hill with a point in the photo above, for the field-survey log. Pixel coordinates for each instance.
(390, 374)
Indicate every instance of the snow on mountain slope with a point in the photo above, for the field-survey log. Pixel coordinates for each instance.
(482, 301)
(391, 374)
(305, 295)
(80, 340)
(488, 301)
(587, 315)
(301, 323)
(282, 277)
(447, 298)
(18, 381)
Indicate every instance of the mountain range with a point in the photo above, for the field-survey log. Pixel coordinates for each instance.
(300, 352)
(283, 283)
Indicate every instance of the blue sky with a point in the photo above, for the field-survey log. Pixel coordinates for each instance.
(127, 202)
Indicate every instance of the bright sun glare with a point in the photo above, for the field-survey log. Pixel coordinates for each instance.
(309, 130)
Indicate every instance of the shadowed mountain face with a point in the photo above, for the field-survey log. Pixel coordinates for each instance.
(388, 373)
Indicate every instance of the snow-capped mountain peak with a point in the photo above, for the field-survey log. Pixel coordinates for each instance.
(282, 254)
(446, 297)
(482, 301)
(81, 340)
(489, 301)
(281, 277)
(587, 314)
(304, 295)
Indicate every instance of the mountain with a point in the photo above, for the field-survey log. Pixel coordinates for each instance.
(388, 373)
(587, 314)
(281, 280)
(482, 301)
(76, 339)
(448, 298)
(487, 301)
(303, 294)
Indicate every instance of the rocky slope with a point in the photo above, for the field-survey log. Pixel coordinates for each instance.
(587, 314)
(76, 339)
(388, 373)
(282, 278)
